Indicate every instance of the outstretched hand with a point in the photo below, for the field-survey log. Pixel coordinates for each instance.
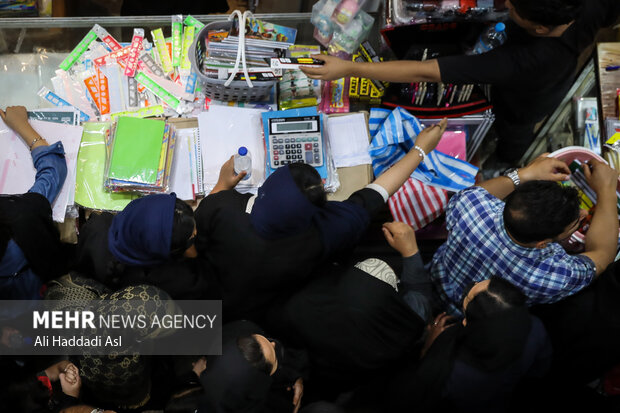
(429, 138)
(600, 176)
(545, 168)
(334, 68)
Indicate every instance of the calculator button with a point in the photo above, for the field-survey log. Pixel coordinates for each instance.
(316, 145)
(308, 146)
(299, 145)
(280, 140)
(276, 163)
(276, 158)
(286, 140)
(308, 157)
(316, 159)
(288, 151)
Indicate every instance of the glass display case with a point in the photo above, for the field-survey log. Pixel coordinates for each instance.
(31, 50)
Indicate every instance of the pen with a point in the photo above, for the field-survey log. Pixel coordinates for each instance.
(612, 68)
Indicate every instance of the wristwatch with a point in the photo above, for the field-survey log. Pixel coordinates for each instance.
(513, 174)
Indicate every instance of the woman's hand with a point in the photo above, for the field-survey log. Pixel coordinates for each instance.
(16, 118)
(334, 68)
(429, 138)
(228, 179)
(434, 330)
(70, 381)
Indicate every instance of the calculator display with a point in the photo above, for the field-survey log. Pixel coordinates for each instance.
(294, 126)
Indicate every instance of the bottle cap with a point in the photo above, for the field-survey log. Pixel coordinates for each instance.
(243, 151)
(500, 27)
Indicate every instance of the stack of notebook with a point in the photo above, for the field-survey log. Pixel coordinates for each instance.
(140, 153)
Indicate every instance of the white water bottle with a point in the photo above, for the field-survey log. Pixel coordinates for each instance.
(243, 162)
(493, 37)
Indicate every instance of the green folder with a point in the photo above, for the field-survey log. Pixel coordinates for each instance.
(136, 150)
(89, 191)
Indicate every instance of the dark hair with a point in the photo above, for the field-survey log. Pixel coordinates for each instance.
(309, 183)
(252, 351)
(540, 210)
(182, 227)
(5, 236)
(500, 295)
(549, 13)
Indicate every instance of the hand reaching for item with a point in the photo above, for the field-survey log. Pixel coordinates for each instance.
(401, 237)
(544, 168)
(334, 68)
(601, 177)
(429, 138)
(228, 179)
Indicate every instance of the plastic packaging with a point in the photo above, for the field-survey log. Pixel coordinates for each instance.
(243, 162)
(56, 100)
(91, 160)
(321, 19)
(177, 39)
(346, 11)
(493, 37)
(335, 96)
(191, 21)
(79, 50)
(188, 37)
(355, 33)
(134, 52)
(107, 38)
(162, 51)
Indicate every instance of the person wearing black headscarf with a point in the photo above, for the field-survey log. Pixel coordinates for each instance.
(474, 366)
(267, 245)
(253, 375)
(150, 241)
(30, 249)
(357, 321)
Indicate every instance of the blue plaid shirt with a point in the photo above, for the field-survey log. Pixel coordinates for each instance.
(479, 246)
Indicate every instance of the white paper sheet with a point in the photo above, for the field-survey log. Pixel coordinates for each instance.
(17, 172)
(181, 181)
(222, 131)
(348, 136)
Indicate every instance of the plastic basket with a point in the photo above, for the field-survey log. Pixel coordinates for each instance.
(237, 90)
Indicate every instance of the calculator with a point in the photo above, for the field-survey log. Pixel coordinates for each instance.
(295, 140)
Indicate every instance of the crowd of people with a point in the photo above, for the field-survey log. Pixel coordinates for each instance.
(501, 318)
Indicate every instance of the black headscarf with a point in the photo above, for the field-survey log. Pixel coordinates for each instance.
(488, 345)
(350, 322)
(141, 233)
(29, 218)
(282, 210)
(230, 382)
